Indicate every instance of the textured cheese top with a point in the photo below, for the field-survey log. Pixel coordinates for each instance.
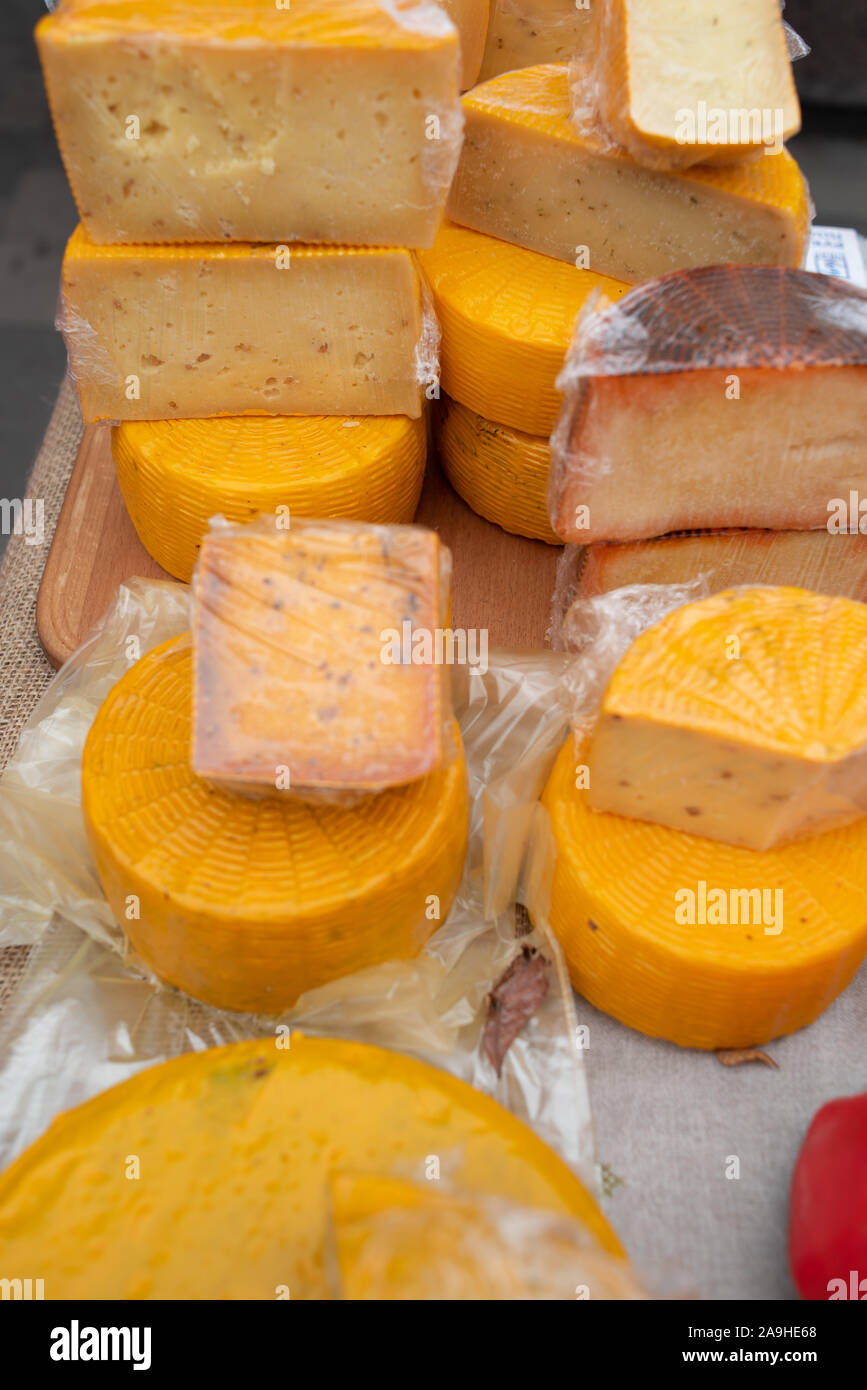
(80, 247)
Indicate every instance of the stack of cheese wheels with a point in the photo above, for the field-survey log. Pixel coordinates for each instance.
(238, 1148)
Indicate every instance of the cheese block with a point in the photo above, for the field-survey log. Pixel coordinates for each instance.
(470, 18)
(315, 656)
(527, 175)
(742, 717)
(247, 903)
(681, 82)
(173, 332)
(175, 474)
(396, 1240)
(706, 945)
(507, 317)
(500, 472)
(235, 1148)
(255, 120)
(718, 397)
(524, 33)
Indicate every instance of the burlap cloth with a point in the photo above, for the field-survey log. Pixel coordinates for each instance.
(696, 1156)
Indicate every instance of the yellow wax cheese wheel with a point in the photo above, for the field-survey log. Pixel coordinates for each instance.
(665, 931)
(499, 471)
(247, 903)
(176, 474)
(507, 317)
(235, 1147)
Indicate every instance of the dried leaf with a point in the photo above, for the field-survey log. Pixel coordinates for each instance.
(735, 1056)
(512, 1002)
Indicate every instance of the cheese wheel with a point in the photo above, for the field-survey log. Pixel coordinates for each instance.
(247, 903)
(507, 317)
(235, 1147)
(175, 474)
(500, 472)
(619, 887)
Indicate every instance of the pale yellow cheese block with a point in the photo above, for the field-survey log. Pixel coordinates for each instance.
(523, 33)
(470, 18)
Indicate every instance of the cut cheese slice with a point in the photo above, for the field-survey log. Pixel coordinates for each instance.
(470, 17)
(703, 944)
(176, 474)
(742, 717)
(524, 33)
(507, 317)
(723, 396)
(236, 1147)
(171, 332)
(501, 473)
(255, 121)
(527, 175)
(316, 664)
(681, 82)
(248, 903)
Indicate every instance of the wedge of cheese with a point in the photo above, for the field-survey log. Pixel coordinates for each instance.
(236, 1146)
(704, 944)
(500, 472)
(718, 397)
(176, 474)
(681, 82)
(316, 661)
(255, 121)
(742, 717)
(173, 332)
(507, 317)
(527, 175)
(470, 18)
(524, 33)
(248, 903)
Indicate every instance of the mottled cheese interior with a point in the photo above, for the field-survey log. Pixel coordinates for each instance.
(523, 33)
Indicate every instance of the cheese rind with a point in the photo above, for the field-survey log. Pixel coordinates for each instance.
(524, 33)
(741, 717)
(527, 175)
(164, 333)
(501, 473)
(255, 121)
(619, 886)
(248, 903)
(176, 474)
(237, 1145)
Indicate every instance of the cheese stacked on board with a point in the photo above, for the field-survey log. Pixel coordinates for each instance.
(252, 180)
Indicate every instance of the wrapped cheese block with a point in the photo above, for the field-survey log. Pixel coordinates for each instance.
(255, 121)
(176, 474)
(524, 33)
(742, 717)
(507, 317)
(704, 944)
(248, 903)
(500, 472)
(470, 17)
(236, 1146)
(173, 332)
(723, 396)
(319, 656)
(528, 175)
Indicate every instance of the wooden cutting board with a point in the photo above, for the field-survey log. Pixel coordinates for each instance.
(501, 582)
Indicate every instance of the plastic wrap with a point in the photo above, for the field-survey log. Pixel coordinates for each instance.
(705, 399)
(523, 33)
(256, 122)
(186, 331)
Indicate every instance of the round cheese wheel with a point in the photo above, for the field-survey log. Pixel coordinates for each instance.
(507, 316)
(247, 903)
(175, 474)
(645, 918)
(500, 472)
(208, 1177)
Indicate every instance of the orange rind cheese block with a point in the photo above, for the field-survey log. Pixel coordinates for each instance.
(500, 472)
(248, 903)
(315, 656)
(176, 474)
(523, 33)
(742, 717)
(507, 316)
(235, 1147)
(703, 944)
(415, 1242)
(528, 175)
